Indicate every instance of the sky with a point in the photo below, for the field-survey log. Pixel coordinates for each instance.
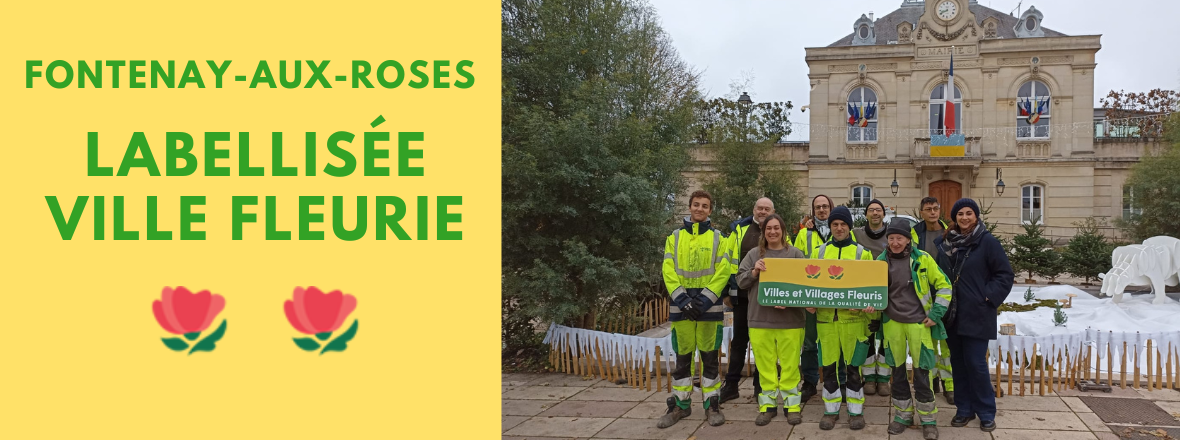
(764, 40)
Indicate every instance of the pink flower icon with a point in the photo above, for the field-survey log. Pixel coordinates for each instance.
(182, 312)
(313, 312)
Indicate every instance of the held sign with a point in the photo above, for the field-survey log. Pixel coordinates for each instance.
(840, 284)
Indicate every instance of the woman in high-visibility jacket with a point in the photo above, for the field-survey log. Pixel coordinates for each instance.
(776, 332)
(912, 322)
(843, 333)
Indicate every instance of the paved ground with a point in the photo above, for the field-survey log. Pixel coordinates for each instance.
(544, 406)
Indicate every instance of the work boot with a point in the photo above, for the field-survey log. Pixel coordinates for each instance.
(929, 432)
(808, 392)
(729, 391)
(950, 397)
(896, 427)
(856, 422)
(828, 421)
(870, 388)
(794, 418)
(764, 418)
(713, 412)
(883, 389)
(674, 414)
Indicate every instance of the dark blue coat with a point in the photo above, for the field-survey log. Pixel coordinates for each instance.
(981, 279)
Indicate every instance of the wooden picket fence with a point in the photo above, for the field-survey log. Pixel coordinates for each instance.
(1030, 365)
(637, 319)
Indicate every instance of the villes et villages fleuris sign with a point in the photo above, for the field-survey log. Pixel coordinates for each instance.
(841, 284)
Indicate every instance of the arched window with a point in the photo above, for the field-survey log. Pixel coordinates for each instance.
(937, 109)
(862, 115)
(1032, 111)
(1032, 204)
(862, 195)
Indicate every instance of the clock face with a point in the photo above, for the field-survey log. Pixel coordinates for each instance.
(947, 10)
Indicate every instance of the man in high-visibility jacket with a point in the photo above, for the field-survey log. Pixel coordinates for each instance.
(697, 263)
(840, 332)
(810, 238)
(922, 236)
(911, 323)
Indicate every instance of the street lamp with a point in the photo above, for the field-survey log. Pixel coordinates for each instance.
(893, 186)
(745, 100)
(744, 103)
(999, 181)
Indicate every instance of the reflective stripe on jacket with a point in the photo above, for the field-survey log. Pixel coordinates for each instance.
(697, 262)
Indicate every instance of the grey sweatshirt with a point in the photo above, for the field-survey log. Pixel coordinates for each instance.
(760, 316)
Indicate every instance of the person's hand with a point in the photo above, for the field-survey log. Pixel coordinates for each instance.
(928, 322)
(808, 222)
(760, 266)
(869, 310)
(810, 309)
(780, 307)
(727, 301)
(691, 311)
(875, 325)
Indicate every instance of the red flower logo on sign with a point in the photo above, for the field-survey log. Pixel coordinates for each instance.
(835, 272)
(182, 312)
(314, 312)
(812, 271)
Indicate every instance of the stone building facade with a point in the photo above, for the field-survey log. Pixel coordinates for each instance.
(1054, 169)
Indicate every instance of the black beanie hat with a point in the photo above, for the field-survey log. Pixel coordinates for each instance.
(841, 213)
(874, 202)
(964, 203)
(899, 226)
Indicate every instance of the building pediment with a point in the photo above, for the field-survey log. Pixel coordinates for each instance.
(945, 23)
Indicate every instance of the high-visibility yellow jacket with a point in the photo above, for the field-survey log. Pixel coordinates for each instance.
(738, 230)
(697, 264)
(809, 241)
(918, 233)
(928, 276)
(854, 251)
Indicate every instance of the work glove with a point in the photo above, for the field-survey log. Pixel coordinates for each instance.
(875, 325)
(691, 311)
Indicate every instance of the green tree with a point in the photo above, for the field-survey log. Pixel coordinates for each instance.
(1088, 253)
(1054, 265)
(1031, 251)
(1155, 185)
(597, 110)
(742, 138)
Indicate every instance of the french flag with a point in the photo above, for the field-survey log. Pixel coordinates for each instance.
(949, 115)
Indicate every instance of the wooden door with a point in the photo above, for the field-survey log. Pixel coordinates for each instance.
(947, 192)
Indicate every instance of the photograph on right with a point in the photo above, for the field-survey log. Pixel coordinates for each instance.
(747, 220)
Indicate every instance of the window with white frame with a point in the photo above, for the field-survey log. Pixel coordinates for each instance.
(1129, 207)
(1032, 111)
(938, 108)
(862, 195)
(1032, 204)
(862, 115)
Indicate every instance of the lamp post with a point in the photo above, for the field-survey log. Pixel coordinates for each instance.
(999, 182)
(744, 103)
(894, 186)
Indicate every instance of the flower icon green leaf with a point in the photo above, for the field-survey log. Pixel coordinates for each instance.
(323, 336)
(176, 344)
(210, 342)
(307, 344)
(341, 343)
(192, 336)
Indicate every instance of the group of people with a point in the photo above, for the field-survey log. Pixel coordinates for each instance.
(944, 285)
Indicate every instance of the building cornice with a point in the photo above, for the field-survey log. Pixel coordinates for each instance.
(1081, 42)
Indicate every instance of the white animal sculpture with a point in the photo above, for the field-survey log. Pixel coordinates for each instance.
(1154, 263)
